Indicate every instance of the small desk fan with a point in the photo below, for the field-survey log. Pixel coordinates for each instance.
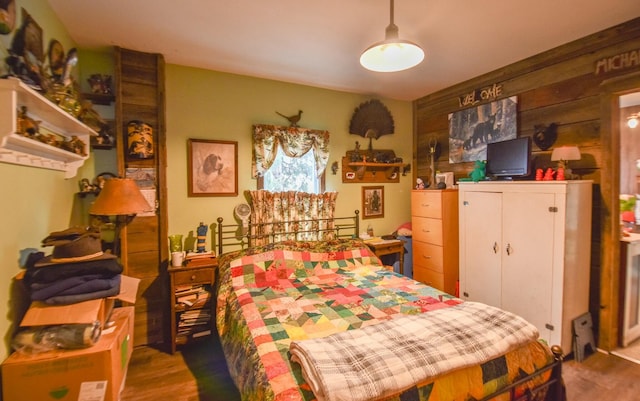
(243, 212)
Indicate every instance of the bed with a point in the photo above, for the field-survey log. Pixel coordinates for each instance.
(325, 320)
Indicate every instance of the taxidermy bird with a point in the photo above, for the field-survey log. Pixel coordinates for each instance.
(294, 119)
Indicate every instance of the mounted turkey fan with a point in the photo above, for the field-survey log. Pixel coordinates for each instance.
(371, 120)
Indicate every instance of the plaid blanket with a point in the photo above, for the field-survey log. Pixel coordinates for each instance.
(380, 360)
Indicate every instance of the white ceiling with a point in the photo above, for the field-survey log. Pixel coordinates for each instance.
(319, 42)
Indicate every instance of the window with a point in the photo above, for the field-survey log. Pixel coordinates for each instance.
(289, 158)
(292, 174)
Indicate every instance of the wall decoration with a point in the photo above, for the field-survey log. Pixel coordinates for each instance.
(27, 52)
(372, 202)
(371, 120)
(293, 119)
(146, 179)
(471, 129)
(7, 16)
(545, 136)
(57, 59)
(212, 167)
(139, 140)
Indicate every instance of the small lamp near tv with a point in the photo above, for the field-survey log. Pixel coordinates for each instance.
(563, 155)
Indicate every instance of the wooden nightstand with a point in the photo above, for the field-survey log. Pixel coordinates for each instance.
(192, 304)
(389, 247)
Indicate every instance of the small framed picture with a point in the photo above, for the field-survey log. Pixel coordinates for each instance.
(212, 167)
(372, 202)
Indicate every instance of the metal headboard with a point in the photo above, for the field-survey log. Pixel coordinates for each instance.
(234, 236)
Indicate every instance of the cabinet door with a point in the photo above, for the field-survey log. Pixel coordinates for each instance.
(527, 257)
(480, 246)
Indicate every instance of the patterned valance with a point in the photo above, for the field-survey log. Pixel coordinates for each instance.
(294, 141)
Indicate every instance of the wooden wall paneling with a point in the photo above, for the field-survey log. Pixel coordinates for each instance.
(140, 96)
(560, 86)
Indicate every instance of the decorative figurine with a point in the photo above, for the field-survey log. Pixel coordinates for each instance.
(479, 172)
(419, 183)
(293, 120)
(539, 174)
(201, 239)
(560, 174)
(548, 175)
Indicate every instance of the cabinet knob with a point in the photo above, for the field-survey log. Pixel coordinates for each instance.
(495, 247)
(193, 277)
(509, 249)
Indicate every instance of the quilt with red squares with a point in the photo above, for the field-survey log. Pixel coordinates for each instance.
(271, 295)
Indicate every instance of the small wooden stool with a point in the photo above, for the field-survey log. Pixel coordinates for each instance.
(583, 336)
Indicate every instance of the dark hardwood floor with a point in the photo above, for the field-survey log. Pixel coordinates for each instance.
(198, 372)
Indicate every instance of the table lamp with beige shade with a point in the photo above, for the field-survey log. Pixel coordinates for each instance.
(121, 199)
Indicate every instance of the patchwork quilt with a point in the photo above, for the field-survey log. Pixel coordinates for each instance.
(272, 295)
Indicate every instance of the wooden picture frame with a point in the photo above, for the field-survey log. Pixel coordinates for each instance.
(372, 202)
(212, 167)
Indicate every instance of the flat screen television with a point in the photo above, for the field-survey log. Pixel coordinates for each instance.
(510, 159)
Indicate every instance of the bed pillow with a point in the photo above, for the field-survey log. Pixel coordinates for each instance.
(404, 229)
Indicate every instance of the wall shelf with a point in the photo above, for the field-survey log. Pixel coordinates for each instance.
(17, 149)
(99, 98)
(371, 171)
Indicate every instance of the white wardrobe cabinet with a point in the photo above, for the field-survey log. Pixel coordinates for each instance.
(525, 247)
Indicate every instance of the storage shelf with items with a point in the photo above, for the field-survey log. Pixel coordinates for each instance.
(372, 166)
(192, 315)
(15, 148)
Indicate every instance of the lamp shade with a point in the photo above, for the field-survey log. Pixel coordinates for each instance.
(119, 196)
(565, 153)
(392, 54)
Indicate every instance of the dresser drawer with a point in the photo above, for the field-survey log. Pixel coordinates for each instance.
(426, 203)
(197, 276)
(428, 255)
(429, 277)
(427, 230)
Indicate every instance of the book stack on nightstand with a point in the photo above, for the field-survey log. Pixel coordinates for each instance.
(194, 308)
(192, 305)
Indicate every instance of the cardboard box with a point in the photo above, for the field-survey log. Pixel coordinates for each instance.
(41, 314)
(90, 374)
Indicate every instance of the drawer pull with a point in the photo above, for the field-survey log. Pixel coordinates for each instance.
(426, 256)
(425, 205)
(426, 231)
(193, 277)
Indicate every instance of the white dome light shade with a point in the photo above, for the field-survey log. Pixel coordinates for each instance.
(391, 56)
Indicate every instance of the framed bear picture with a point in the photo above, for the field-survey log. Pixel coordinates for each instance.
(471, 129)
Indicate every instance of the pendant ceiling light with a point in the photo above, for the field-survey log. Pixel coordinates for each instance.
(392, 54)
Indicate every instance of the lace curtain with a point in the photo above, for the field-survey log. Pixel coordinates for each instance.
(294, 141)
(285, 210)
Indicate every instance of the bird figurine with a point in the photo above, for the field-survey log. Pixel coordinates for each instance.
(294, 119)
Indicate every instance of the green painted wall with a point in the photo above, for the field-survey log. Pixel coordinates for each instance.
(213, 105)
(34, 201)
(200, 104)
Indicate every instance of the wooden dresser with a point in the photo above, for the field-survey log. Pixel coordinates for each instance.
(434, 221)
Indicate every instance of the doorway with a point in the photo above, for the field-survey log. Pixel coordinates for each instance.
(617, 95)
(610, 285)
